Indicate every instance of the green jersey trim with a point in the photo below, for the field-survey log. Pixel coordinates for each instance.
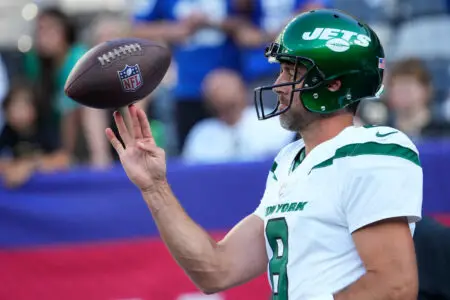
(372, 148)
(298, 159)
(272, 170)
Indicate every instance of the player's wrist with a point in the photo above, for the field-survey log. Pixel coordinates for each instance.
(157, 196)
(156, 187)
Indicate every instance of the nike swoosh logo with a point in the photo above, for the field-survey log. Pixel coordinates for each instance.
(385, 134)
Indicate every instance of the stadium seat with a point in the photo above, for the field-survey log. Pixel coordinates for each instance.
(408, 9)
(440, 70)
(426, 37)
(384, 33)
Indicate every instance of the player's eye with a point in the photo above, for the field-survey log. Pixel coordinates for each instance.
(289, 73)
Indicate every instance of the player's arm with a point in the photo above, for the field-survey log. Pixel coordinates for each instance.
(212, 266)
(381, 200)
(387, 251)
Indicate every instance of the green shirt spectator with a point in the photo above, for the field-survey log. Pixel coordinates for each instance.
(61, 104)
(158, 133)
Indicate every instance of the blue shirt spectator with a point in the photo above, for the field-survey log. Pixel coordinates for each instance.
(200, 41)
(267, 17)
(204, 49)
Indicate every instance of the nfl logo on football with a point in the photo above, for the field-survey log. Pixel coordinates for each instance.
(130, 78)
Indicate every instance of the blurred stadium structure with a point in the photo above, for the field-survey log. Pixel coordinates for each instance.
(17, 19)
(18, 16)
(84, 233)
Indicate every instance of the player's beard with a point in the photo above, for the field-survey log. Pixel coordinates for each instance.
(297, 118)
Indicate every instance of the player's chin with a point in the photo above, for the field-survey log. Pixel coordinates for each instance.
(285, 121)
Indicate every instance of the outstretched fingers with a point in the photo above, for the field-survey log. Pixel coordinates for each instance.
(122, 128)
(137, 132)
(140, 131)
(145, 126)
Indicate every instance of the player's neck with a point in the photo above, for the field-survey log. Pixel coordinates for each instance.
(324, 129)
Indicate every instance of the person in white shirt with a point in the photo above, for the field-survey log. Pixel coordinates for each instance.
(234, 134)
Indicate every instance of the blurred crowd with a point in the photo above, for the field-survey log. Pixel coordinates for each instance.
(203, 110)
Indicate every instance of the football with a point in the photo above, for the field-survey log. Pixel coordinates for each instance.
(118, 72)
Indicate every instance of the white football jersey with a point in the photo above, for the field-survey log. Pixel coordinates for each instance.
(361, 176)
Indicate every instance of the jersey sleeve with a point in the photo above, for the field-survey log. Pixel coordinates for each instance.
(272, 180)
(385, 187)
(274, 175)
(260, 210)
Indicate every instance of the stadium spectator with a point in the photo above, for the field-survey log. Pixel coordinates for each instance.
(234, 133)
(27, 142)
(409, 96)
(48, 65)
(197, 31)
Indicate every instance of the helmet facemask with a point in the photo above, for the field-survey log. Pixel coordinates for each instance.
(273, 53)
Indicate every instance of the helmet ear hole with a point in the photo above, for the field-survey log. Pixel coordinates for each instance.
(334, 85)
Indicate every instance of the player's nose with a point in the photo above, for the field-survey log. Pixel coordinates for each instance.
(280, 90)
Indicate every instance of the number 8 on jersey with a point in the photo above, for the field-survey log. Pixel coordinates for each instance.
(277, 236)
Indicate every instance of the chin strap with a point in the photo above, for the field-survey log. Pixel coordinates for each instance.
(380, 91)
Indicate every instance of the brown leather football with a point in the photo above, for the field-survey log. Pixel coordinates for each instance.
(118, 72)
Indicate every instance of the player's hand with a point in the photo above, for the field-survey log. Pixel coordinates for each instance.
(143, 161)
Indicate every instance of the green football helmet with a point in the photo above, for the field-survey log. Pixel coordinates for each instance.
(331, 45)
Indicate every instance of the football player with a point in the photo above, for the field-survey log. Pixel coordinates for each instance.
(338, 213)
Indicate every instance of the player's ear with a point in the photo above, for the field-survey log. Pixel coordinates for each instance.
(334, 85)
